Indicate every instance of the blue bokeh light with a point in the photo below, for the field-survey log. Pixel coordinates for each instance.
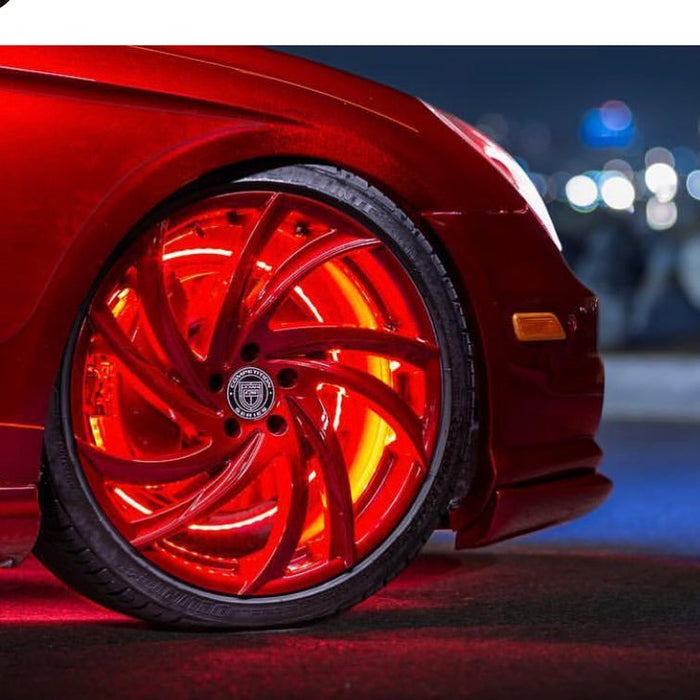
(608, 126)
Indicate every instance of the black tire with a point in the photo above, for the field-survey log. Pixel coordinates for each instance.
(79, 544)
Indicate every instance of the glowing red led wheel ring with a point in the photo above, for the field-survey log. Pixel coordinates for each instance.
(256, 393)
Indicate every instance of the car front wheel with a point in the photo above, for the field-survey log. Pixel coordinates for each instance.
(263, 409)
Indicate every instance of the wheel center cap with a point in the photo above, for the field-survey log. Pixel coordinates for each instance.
(250, 393)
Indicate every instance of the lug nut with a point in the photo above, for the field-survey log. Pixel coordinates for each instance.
(277, 425)
(216, 382)
(287, 378)
(232, 428)
(250, 352)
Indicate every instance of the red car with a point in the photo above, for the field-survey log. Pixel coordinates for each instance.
(264, 326)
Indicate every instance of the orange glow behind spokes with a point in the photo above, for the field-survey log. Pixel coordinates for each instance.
(296, 495)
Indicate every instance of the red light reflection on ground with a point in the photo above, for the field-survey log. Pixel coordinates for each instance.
(509, 622)
(31, 595)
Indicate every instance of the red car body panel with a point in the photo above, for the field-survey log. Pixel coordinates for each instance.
(92, 139)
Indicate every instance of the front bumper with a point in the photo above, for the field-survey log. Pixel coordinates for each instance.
(546, 472)
(521, 508)
(539, 402)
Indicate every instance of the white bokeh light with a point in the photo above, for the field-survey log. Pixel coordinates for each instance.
(692, 183)
(615, 115)
(659, 154)
(661, 215)
(582, 192)
(617, 192)
(618, 165)
(662, 180)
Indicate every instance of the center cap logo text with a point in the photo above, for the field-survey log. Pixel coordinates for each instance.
(250, 393)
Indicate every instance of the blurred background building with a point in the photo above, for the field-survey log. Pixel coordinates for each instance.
(610, 137)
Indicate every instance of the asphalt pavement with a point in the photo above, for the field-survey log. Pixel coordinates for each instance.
(607, 606)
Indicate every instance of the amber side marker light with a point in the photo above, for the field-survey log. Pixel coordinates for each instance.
(537, 326)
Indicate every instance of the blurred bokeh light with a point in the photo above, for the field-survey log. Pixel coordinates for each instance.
(582, 192)
(608, 126)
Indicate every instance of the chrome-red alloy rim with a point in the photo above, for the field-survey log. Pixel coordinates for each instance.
(255, 393)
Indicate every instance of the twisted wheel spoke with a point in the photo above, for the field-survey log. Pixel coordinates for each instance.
(384, 400)
(159, 471)
(289, 524)
(151, 377)
(307, 258)
(231, 309)
(290, 342)
(236, 475)
(312, 421)
(154, 298)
